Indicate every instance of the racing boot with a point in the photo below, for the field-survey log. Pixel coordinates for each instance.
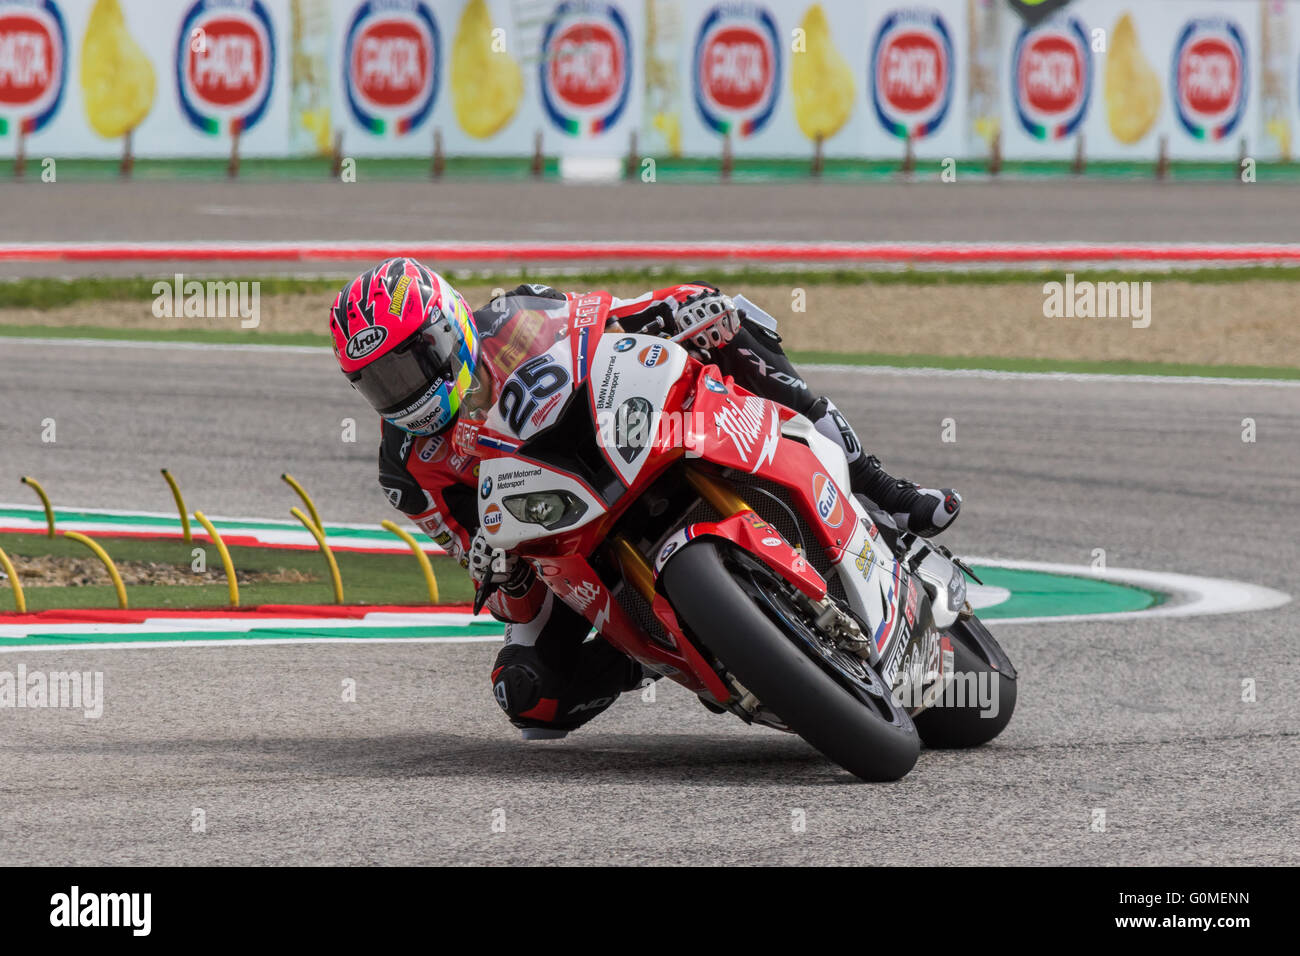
(922, 511)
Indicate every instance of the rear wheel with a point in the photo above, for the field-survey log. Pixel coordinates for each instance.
(987, 698)
(746, 616)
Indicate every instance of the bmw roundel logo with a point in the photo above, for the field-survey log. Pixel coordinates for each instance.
(486, 488)
(623, 345)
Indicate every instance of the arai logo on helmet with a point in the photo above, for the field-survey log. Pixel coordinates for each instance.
(33, 64)
(1051, 78)
(585, 70)
(365, 342)
(392, 64)
(830, 507)
(912, 73)
(225, 64)
(737, 68)
(1210, 78)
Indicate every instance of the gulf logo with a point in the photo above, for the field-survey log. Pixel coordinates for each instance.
(652, 356)
(33, 65)
(830, 506)
(433, 449)
(736, 68)
(1210, 78)
(1051, 78)
(585, 70)
(912, 73)
(392, 65)
(225, 65)
(492, 519)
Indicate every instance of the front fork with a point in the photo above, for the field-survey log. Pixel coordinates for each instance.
(741, 524)
(636, 569)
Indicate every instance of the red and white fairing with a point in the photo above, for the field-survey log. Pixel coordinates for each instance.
(694, 412)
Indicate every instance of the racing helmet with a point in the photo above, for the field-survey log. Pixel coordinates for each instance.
(406, 340)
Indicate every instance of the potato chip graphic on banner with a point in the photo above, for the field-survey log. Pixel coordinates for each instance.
(117, 79)
(486, 82)
(1132, 86)
(821, 80)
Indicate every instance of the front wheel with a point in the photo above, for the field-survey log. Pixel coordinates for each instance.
(977, 710)
(743, 614)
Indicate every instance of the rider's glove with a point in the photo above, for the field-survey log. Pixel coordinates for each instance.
(701, 307)
(489, 565)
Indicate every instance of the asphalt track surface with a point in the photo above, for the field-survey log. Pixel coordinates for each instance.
(1143, 719)
(1022, 211)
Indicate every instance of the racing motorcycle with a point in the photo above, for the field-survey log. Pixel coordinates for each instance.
(709, 533)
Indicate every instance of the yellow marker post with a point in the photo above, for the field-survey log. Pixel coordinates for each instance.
(107, 561)
(45, 500)
(325, 548)
(429, 580)
(180, 505)
(306, 499)
(231, 584)
(20, 602)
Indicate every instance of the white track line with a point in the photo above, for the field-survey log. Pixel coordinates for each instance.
(253, 642)
(171, 515)
(981, 596)
(165, 346)
(1110, 377)
(1192, 596)
(920, 371)
(241, 624)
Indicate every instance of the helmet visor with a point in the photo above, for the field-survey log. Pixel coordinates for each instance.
(418, 386)
(412, 387)
(400, 376)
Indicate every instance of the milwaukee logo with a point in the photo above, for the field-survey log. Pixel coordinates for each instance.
(744, 425)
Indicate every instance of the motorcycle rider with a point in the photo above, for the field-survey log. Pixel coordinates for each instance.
(409, 343)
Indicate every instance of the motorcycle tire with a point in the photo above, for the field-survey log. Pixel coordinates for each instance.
(737, 610)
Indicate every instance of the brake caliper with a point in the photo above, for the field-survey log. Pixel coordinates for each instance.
(839, 626)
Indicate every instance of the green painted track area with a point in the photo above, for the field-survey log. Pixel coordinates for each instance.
(487, 628)
(1039, 594)
(1015, 593)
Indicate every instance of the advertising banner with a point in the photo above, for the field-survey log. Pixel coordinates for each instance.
(918, 79)
(80, 77)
